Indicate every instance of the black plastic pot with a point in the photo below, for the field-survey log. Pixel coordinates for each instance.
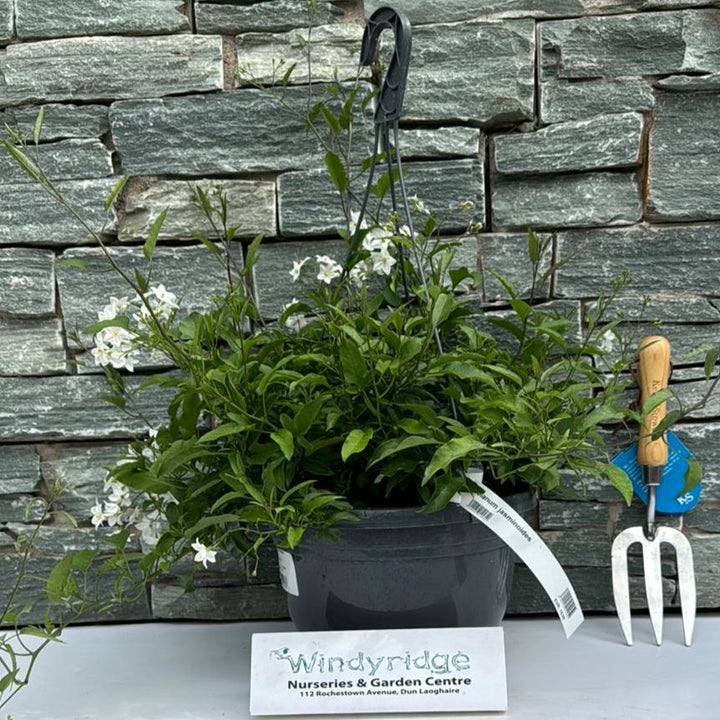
(400, 569)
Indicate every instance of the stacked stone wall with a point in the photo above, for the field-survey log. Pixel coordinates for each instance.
(592, 122)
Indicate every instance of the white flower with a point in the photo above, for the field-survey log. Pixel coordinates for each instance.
(405, 231)
(98, 516)
(113, 514)
(329, 271)
(377, 239)
(324, 260)
(203, 554)
(607, 342)
(383, 262)
(418, 204)
(150, 526)
(102, 355)
(297, 268)
(163, 296)
(359, 273)
(296, 320)
(116, 306)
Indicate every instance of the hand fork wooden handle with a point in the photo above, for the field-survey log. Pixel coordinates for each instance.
(652, 455)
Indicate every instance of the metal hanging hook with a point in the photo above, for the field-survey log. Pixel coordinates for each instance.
(392, 91)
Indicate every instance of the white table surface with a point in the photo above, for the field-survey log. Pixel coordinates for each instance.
(197, 671)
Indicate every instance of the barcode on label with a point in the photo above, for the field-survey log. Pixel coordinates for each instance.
(481, 510)
(568, 602)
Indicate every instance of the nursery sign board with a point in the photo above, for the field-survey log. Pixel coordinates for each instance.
(378, 671)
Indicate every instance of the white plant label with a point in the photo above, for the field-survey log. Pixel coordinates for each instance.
(288, 576)
(378, 671)
(507, 524)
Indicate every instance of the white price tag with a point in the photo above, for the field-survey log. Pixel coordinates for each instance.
(507, 524)
(288, 576)
(378, 671)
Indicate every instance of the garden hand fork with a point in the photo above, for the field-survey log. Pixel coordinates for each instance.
(652, 455)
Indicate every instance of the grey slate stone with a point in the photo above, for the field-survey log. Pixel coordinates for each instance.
(29, 216)
(579, 200)
(57, 540)
(564, 515)
(562, 100)
(69, 69)
(81, 471)
(429, 11)
(604, 142)
(704, 517)
(692, 392)
(31, 347)
(308, 204)
(265, 58)
(61, 122)
(669, 260)
(579, 547)
(447, 142)
(684, 157)
(268, 16)
(192, 273)
(706, 552)
(63, 160)
(71, 407)
(7, 23)
(636, 515)
(27, 282)
(53, 18)
(214, 134)
(708, 589)
(660, 308)
(32, 591)
(17, 508)
(19, 470)
(507, 254)
(273, 284)
(218, 603)
(633, 45)
(251, 206)
(690, 83)
(593, 586)
(441, 88)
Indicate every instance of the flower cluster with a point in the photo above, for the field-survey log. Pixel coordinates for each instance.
(116, 345)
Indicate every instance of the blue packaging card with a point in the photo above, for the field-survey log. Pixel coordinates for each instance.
(673, 478)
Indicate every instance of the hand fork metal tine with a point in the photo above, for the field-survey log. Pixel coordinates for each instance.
(652, 455)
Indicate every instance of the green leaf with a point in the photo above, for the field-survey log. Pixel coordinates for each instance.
(711, 357)
(119, 321)
(117, 189)
(444, 491)
(57, 581)
(670, 419)
(355, 442)
(38, 125)
(222, 431)
(533, 247)
(7, 680)
(294, 535)
(353, 364)
(210, 521)
(441, 310)
(149, 246)
(337, 171)
(72, 262)
(285, 442)
(445, 455)
(331, 121)
(24, 162)
(693, 475)
(656, 399)
(396, 445)
(40, 633)
(619, 480)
